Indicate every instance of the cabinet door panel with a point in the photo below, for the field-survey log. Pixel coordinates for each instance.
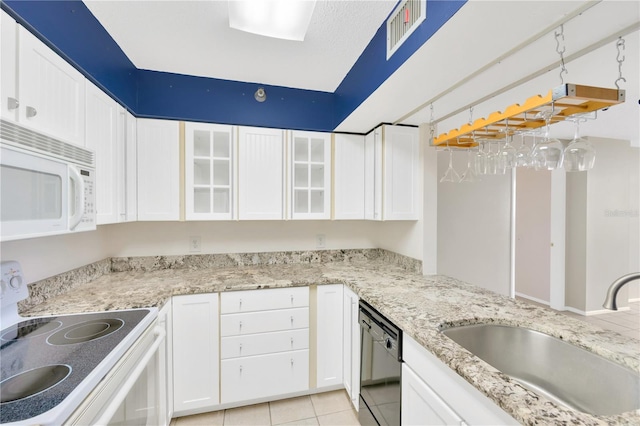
(264, 375)
(421, 405)
(329, 335)
(158, 170)
(260, 322)
(349, 175)
(264, 343)
(310, 170)
(8, 62)
(102, 136)
(401, 173)
(130, 208)
(263, 300)
(261, 174)
(52, 92)
(195, 351)
(351, 347)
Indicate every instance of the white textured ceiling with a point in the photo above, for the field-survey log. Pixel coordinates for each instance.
(194, 38)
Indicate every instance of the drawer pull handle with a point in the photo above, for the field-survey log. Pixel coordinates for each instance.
(240, 350)
(292, 321)
(240, 303)
(240, 369)
(292, 362)
(292, 299)
(240, 324)
(292, 342)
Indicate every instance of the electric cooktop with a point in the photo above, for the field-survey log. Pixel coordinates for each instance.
(48, 365)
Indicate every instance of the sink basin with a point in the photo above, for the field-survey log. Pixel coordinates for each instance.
(556, 369)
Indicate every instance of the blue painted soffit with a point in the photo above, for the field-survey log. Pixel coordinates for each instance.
(69, 28)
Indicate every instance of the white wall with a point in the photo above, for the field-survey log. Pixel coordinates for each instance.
(48, 256)
(474, 228)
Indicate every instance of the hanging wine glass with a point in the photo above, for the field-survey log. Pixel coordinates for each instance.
(507, 153)
(492, 160)
(549, 153)
(450, 175)
(579, 155)
(523, 153)
(481, 159)
(469, 176)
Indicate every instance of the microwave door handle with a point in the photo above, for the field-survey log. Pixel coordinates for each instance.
(78, 184)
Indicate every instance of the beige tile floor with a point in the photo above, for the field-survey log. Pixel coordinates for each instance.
(329, 408)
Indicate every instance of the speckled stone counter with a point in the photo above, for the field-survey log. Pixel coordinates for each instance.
(417, 304)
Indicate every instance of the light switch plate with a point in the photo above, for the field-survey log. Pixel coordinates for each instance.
(195, 244)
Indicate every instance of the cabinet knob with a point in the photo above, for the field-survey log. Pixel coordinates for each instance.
(240, 369)
(240, 349)
(292, 362)
(240, 324)
(240, 304)
(292, 321)
(292, 342)
(292, 299)
(12, 103)
(31, 112)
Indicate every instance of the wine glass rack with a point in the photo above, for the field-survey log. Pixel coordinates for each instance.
(565, 101)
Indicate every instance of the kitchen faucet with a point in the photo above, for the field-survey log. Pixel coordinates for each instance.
(610, 301)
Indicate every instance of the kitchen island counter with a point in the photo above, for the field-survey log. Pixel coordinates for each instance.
(419, 305)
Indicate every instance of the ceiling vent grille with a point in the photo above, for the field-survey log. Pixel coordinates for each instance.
(24, 138)
(403, 21)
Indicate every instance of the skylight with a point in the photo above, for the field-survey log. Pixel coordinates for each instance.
(284, 19)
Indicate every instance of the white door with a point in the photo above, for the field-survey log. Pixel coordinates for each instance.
(421, 405)
(401, 173)
(8, 67)
(158, 170)
(102, 115)
(195, 352)
(351, 346)
(329, 335)
(349, 181)
(51, 91)
(209, 161)
(261, 174)
(310, 175)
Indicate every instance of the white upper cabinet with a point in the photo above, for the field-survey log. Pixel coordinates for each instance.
(392, 174)
(349, 177)
(310, 175)
(158, 170)
(127, 167)
(209, 171)
(102, 137)
(261, 174)
(8, 67)
(401, 173)
(52, 92)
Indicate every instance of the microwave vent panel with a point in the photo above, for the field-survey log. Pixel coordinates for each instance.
(28, 139)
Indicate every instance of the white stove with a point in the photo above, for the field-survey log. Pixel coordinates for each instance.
(49, 365)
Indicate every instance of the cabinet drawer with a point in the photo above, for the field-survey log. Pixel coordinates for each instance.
(261, 322)
(264, 300)
(264, 375)
(264, 343)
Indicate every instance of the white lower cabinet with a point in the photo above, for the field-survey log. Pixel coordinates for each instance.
(262, 376)
(265, 343)
(195, 353)
(434, 394)
(329, 335)
(351, 346)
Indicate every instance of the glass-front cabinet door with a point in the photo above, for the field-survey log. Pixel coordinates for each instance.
(209, 174)
(310, 175)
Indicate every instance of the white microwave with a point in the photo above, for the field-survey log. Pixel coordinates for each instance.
(47, 187)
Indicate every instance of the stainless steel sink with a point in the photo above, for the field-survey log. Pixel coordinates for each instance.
(549, 366)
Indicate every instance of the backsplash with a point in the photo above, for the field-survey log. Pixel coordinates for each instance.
(40, 291)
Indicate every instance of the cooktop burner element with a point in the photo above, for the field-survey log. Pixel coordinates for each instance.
(32, 382)
(28, 329)
(85, 331)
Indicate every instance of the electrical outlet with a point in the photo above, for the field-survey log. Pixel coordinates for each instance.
(320, 241)
(194, 244)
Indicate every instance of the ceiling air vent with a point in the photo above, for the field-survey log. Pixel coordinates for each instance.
(403, 21)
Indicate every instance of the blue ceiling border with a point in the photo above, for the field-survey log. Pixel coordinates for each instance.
(69, 28)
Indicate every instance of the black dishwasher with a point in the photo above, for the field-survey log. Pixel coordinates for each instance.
(380, 368)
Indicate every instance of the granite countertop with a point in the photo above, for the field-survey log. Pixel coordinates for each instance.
(417, 304)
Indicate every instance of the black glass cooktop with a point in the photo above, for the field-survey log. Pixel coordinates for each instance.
(43, 360)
